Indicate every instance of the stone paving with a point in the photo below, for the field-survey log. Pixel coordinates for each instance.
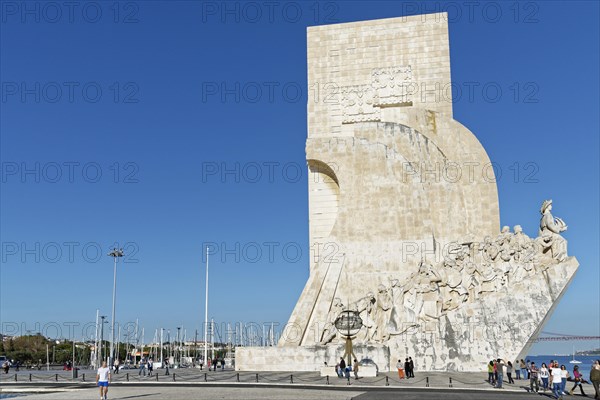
(272, 393)
(196, 376)
(196, 384)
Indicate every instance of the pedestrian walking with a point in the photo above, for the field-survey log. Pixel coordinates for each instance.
(533, 377)
(595, 378)
(103, 379)
(577, 377)
(555, 376)
(142, 367)
(355, 369)
(544, 376)
(564, 376)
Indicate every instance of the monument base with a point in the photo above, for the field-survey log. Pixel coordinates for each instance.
(306, 358)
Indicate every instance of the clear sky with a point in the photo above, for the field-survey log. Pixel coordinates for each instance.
(115, 115)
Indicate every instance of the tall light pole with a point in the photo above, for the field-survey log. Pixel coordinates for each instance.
(178, 348)
(206, 315)
(115, 254)
(102, 317)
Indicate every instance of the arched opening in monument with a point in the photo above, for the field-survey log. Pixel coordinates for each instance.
(323, 199)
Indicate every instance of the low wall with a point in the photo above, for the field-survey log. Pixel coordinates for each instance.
(305, 358)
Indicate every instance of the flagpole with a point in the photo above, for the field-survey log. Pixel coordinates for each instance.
(206, 314)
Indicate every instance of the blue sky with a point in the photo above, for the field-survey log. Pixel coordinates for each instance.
(121, 111)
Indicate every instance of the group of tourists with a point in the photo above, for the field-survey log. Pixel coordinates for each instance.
(551, 377)
(343, 370)
(406, 369)
(146, 365)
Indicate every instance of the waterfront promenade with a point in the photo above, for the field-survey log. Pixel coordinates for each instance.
(193, 383)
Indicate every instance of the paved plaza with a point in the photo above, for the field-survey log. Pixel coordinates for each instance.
(267, 393)
(196, 384)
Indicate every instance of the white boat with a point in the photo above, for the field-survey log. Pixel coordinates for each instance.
(574, 361)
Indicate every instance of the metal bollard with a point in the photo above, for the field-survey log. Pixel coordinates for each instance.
(238, 376)
(56, 377)
(127, 377)
(387, 382)
(291, 378)
(450, 378)
(328, 379)
(426, 381)
(157, 377)
(15, 377)
(83, 377)
(205, 377)
(174, 376)
(29, 377)
(256, 378)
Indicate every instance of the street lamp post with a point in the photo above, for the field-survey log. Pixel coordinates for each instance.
(206, 314)
(115, 254)
(102, 317)
(177, 359)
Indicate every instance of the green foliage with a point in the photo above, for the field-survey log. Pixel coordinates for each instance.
(26, 349)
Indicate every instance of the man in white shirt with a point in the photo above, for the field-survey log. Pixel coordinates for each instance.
(103, 378)
(556, 375)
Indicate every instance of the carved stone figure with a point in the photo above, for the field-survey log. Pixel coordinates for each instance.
(549, 235)
(429, 300)
(471, 281)
(504, 244)
(488, 278)
(490, 250)
(382, 316)
(520, 243)
(452, 291)
(330, 332)
(367, 309)
(399, 314)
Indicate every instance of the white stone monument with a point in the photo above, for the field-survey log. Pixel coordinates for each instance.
(404, 216)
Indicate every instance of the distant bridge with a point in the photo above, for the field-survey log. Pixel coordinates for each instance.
(556, 337)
